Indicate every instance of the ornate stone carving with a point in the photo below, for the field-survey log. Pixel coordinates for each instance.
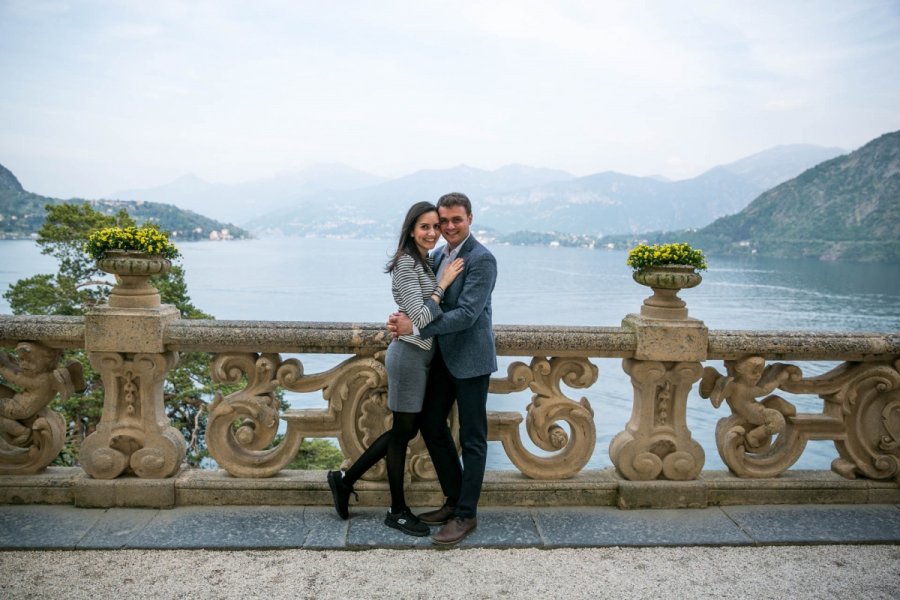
(747, 439)
(656, 442)
(242, 425)
(134, 434)
(861, 413)
(548, 406)
(32, 435)
(865, 397)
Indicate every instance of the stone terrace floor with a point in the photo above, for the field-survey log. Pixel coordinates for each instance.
(288, 552)
(63, 527)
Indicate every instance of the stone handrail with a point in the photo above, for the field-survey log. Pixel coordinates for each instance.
(518, 340)
(56, 332)
(803, 345)
(512, 340)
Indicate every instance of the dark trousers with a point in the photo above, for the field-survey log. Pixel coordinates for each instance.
(459, 482)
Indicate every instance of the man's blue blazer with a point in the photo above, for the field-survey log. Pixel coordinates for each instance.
(465, 332)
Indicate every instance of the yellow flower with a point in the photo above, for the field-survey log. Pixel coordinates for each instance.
(146, 239)
(643, 256)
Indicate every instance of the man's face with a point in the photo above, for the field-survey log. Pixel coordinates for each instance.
(455, 224)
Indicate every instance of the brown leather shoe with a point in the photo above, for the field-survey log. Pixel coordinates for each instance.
(454, 531)
(437, 517)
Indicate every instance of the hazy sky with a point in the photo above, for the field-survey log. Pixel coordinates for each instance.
(101, 96)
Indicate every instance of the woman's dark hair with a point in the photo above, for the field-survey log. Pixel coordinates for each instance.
(407, 244)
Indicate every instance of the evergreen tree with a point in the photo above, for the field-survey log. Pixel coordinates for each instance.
(79, 285)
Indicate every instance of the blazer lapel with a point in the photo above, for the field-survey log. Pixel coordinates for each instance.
(452, 292)
(466, 247)
(436, 257)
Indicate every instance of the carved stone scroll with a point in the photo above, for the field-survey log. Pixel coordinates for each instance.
(31, 434)
(861, 413)
(656, 442)
(865, 396)
(134, 434)
(548, 407)
(242, 425)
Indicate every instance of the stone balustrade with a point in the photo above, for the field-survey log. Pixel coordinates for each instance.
(759, 437)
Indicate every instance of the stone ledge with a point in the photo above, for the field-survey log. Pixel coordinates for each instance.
(124, 492)
(52, 486)
(794, 487)
(662, 494)
(502, 488)
(193, 487)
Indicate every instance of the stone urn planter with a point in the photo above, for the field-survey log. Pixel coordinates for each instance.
(666, 281)
(133, 271)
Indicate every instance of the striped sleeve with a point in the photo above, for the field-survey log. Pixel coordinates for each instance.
(406, 284)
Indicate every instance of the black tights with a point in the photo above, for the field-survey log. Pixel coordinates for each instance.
(391, 446)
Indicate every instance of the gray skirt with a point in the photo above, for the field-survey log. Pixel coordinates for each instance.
(407, 370)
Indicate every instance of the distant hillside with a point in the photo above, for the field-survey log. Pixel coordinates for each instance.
(776, 165)
(520, 198)
(376, 211)
(22, 213)
(615, 203)
(242, 202)
(336, 200)
(847, 208)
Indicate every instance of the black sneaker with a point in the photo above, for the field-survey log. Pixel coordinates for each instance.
(407, 522)
(340, 494)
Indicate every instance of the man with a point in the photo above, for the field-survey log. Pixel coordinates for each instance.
(465, 357)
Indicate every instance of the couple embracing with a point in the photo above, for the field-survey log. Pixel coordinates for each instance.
(442, 352)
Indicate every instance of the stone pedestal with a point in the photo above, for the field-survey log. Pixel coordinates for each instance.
(130, 330)
(125, 345)
(656, 442)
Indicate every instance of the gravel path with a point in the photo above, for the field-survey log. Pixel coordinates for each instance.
(870, 572)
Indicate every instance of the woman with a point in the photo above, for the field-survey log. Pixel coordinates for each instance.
(418, 294)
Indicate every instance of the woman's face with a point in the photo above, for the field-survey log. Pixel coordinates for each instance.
(426, 232)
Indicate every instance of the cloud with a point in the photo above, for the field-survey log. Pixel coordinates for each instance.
(784, 104)
(231, 90)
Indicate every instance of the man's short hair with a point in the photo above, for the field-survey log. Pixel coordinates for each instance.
(455, 199)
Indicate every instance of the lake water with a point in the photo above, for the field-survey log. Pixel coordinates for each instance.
(298, 279)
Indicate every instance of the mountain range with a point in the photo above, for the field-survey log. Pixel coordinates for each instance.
(337, 200)
(847, 208)
(242, 202)
(789, 201)
(613, 203)
(22, 213)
